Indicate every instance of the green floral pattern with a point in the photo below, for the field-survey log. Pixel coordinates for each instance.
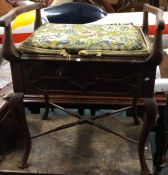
(88, 37)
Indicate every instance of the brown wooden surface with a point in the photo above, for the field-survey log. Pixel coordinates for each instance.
(160, 97)
(4, 7)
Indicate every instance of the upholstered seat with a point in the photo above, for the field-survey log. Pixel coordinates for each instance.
(89, 39)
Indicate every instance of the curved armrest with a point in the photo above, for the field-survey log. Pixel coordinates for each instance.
(23, 7)
(159, 15)
(9, 51)
(157, 50)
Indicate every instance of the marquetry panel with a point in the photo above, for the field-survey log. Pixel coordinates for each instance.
(82, 78)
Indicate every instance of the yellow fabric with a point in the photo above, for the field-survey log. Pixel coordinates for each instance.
(89, 39)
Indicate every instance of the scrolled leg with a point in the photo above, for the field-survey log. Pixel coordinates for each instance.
(149, 120)
(161, 141)
(161, 138)
(17, 111)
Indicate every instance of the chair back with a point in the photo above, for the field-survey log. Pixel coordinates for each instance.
(74, 13)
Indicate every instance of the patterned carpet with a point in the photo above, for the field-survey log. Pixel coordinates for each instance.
(82, 149)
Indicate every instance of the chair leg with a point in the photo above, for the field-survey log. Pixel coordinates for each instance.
(17, 111)
(135, 116)
(81, 111)
(52, 108)
(151, 113)
(47, 107)
(161, 139)
(92, 111)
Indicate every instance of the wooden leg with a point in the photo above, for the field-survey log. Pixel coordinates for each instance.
(47, 107)
(151, 113)
(34, 109)
(161, 141)
(135, 115)
(17, 111)
(161, 138)
(81, 110)
(92, 111)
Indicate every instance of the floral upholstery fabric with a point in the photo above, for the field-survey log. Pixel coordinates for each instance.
(87, 39)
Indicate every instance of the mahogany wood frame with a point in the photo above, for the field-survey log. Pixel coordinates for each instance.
(142, 69)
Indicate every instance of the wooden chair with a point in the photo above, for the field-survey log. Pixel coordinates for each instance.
(6, 6)
(109, 6)
(131, 6)
(124, 64)
(65, 13)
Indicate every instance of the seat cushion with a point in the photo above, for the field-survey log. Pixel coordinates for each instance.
(87, 39)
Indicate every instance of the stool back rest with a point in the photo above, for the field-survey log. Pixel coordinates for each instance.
(74, 13)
